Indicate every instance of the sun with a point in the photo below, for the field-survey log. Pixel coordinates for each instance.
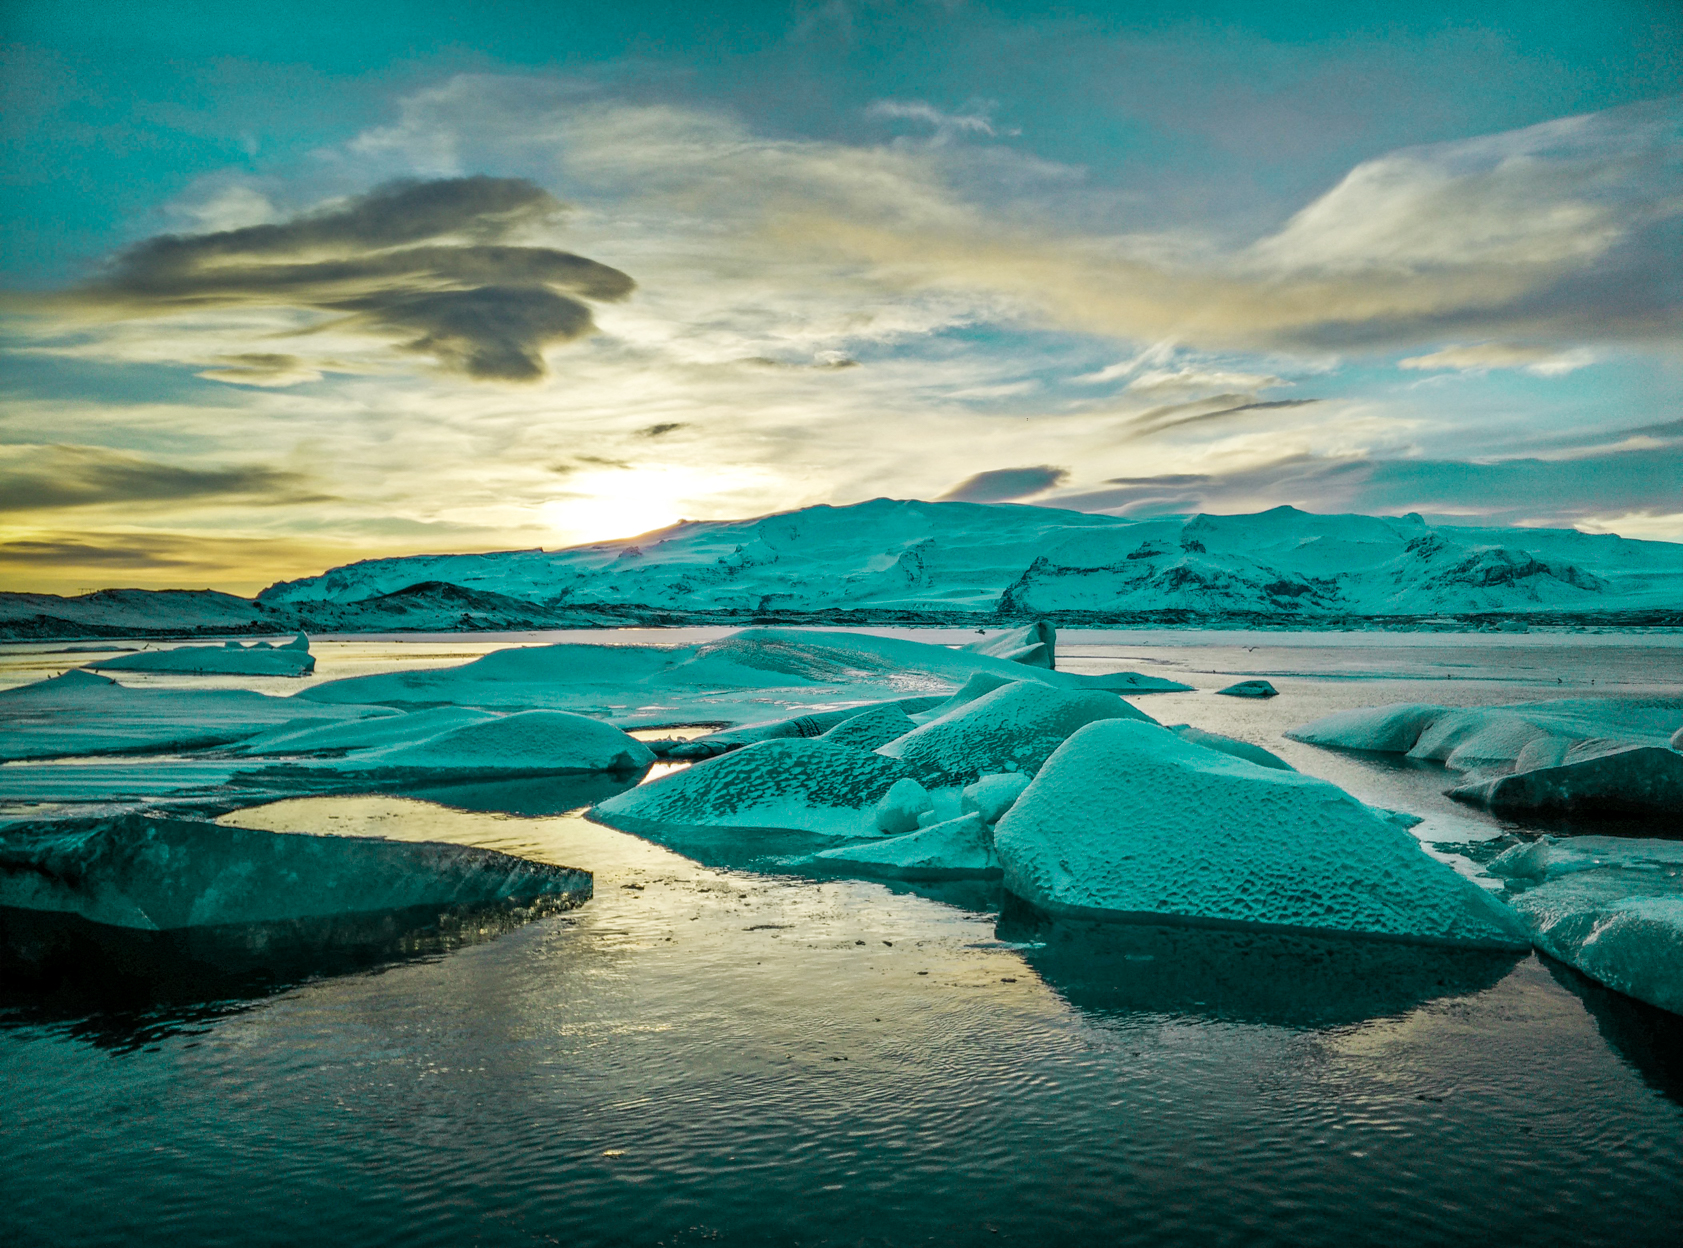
(623, 502)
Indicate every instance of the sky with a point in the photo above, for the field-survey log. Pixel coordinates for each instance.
(285, 285)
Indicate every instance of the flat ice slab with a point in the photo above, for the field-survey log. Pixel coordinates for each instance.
(1129, 821)
(1610, 906)
(163, 874)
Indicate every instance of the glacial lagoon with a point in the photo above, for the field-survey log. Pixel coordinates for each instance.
(707, 1053)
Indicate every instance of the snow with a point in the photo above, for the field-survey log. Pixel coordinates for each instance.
(1128, 821)
(291, 658)
(1568, 754)
(1250, 689)
(1610, 906)
(960, 848)
(163, 874)
(792, 785)
(1014, 728)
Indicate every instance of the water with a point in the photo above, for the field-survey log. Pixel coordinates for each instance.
(708, 1055)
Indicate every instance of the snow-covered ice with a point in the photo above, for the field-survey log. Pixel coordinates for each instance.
(1610, 906)
(158, 874)
(259, 658)
(1129, 821)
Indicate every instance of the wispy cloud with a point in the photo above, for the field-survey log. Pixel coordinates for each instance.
(1005, 484)
(1482, 357)
(36, 478)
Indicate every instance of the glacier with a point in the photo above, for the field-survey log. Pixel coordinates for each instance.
(1564, 756)
(904, 561)
(1610, 906)
(1128, 821)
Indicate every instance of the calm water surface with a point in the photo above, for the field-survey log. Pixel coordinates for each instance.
(702, 1054)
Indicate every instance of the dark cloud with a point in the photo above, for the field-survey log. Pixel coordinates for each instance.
(661, 430)
(1172, 415)
(419, 261)
(1003, 484)
(57, 554)
(44, 477)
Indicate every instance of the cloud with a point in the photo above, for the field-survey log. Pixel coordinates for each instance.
(946, 125)
(83, 554)
(1188, 379)
(36, 478)
(251, 368)
(421, 262)
(1543, 361)
(1004, 484)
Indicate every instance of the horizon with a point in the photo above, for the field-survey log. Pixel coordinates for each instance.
(281, 296)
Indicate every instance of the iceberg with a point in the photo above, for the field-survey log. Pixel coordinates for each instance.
(156, 874)
(1128, 821)
(1610, 906)
(524, 743)
(1570, 755)
(260, 658)
(1230, 745)
(790, 785)
(1035, 645)
(1014, 728)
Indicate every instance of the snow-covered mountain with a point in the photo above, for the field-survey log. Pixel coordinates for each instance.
(890, 557)
(915, 562)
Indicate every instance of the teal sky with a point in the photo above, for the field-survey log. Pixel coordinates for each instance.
(1136, 258)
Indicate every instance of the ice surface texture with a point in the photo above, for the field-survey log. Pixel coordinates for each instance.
(1610, 906)
(260, 658)
(1014, 728)
(798, 785)
(1571, 754)
(1128, 821)
(162, 874)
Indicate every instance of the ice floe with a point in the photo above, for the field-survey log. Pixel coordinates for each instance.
(749, 677)
(1129, 821)
(960, 848)
(156, 874)
(260, 658)
(1571, 755)
(1610, 906)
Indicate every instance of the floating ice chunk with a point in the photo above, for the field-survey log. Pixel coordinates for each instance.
(380, 732)
(1034, 645)
(230, 659)
(1014, 728)
(991, 796)
(1636, 780)
(1231, 745)
(960, 848)
(1250, 689)
(529, 742)
(903, 807)
(1610, 906)
(797, 785)
(1389, 729)
(81, 713)
(1128, 821)
(871, 729)
(163, 874)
